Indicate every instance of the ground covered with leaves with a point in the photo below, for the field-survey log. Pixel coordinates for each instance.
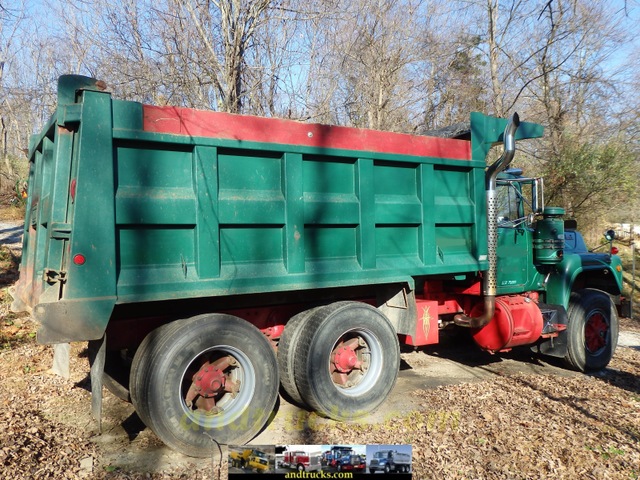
(517, 426)
(511, 427)
(525, 426)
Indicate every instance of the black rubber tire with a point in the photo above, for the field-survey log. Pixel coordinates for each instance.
(141, 365)
(387, 469)
(584, 305)
(317, 340)
(286, 354)
(161, 375)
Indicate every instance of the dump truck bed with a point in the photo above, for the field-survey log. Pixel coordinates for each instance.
(133, 203)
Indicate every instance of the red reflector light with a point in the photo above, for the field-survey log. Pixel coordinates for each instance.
(614, 250)
(72, 190)
(79, 259)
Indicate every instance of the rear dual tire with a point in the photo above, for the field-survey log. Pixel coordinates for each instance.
(329, 385)
(164, 369)
(287, 354)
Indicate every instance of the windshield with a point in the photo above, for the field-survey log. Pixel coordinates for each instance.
(507, 204)
(380, 454)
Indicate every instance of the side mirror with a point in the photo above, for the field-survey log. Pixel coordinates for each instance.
(609, 235)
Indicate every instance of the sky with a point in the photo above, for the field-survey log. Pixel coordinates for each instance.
(629, 11)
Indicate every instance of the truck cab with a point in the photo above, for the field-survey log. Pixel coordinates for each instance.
(302, 460)
(540, 253)
(536, 252)
(351, 463)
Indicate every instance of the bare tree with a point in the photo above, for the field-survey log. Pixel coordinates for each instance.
(226, 29)
(366, 63)
(587, 173)
(12, 21)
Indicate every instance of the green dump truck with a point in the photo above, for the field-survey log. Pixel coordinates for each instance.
(209, 258)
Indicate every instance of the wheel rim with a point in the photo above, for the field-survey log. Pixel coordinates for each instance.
(596, 331)
(217, 386)
(355, 362)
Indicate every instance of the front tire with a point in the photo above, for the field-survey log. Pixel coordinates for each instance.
(592, 332)
(213, 376)
(347, 360)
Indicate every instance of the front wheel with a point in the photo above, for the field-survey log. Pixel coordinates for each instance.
(209, 378)
(592, 332)
(346, 360)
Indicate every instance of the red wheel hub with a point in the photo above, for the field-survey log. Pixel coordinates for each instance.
(208, 383)
(344, 359)
(595, 332)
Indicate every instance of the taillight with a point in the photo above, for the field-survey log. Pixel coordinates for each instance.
(614, 250)
(79, 259)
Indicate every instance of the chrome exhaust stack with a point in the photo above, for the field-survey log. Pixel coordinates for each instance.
(489, 282)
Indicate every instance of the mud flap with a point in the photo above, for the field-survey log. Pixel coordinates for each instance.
(624, 308)
(97, 355)
(553, 346)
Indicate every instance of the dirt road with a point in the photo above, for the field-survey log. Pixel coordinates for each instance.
(11, 233)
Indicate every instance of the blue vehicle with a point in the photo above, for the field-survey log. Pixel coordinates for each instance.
(333, 457)
(351, 463)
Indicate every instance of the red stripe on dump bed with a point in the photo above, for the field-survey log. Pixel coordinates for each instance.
(199, 123)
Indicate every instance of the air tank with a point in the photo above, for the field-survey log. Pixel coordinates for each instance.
(548, 238)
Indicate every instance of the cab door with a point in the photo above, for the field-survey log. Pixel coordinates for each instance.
(516, 271)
